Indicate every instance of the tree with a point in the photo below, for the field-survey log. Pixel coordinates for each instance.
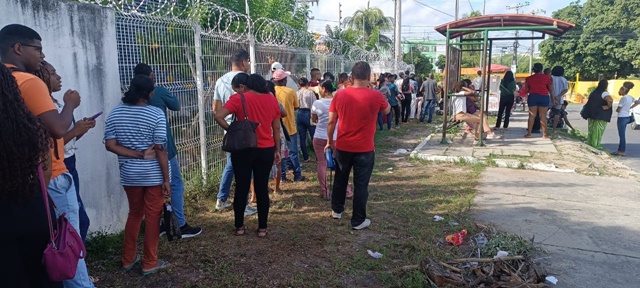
(471, 58)
(372, 22)
(604, 41)
(421, 63)
(441, 62)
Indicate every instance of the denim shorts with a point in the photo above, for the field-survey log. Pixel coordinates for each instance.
(538, 100)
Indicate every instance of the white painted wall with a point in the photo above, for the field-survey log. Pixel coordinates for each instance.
(80, 41)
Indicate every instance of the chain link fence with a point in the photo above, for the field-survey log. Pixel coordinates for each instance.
(191, 43)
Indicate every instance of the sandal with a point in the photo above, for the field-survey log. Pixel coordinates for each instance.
(262, 233)
(527, 136)
(128, 267)
(163, 265)
(239, 231)
(93, 280)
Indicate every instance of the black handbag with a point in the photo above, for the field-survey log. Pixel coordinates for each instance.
(170, 223)
(241, 134)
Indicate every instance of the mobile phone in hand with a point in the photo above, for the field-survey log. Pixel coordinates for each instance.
(94, 117)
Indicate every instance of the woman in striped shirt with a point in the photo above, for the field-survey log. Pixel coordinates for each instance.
(136, 132)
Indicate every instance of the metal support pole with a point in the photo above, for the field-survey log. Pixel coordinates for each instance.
(483, 66)
(488, 78)
(252, 40)
(445, 86)
(309, 65)
(396, 37)
(200, 85)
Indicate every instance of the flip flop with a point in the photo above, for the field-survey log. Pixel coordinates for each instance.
(527, 136)
(128, 267)
(163, 265)
(262, 233)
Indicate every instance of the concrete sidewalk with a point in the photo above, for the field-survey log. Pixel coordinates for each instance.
(460, 145)
(589, 224)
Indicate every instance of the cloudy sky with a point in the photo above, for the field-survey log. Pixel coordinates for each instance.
(418, 20)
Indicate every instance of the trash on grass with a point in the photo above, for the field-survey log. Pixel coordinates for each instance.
(501, 254)
(376, 255)
(453, 223)
(552, 279)
(438, 218)
(457, 238)
(401, 151)
(390, 168)
(481, 239)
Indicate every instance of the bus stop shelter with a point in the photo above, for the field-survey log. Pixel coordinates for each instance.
(481, 26)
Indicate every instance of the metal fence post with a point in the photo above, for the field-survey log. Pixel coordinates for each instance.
(342, 64)
(200, 85)
(309, 65)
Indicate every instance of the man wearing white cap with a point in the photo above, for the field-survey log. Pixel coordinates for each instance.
(291, 81)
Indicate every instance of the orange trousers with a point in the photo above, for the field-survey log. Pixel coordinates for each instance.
(143, 202)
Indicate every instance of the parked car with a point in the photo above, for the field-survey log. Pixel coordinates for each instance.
(635, 112)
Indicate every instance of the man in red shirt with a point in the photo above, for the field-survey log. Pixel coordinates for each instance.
(356, 108)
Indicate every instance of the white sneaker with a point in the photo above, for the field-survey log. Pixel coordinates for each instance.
(364, 224)
(335, 215)
(222, 205)
(250, 210)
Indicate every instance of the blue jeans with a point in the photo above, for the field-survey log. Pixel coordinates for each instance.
(622, 127)
(293, 161)
(84, 218)
(428, 108)
(177, 191)
(226, 180)
(63, 194)
(303, 123)
(381, 124)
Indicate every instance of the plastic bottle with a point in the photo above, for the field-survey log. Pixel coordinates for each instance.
(329, 155)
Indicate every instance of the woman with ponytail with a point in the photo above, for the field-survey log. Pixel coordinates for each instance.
(320, 115)
(137, 133)
(624, 115)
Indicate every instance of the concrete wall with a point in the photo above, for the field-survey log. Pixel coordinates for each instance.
(80, 41)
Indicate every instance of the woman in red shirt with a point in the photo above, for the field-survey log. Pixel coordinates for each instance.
(262, 108)
(539, 86)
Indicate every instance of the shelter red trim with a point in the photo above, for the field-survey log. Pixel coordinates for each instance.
(506, 20)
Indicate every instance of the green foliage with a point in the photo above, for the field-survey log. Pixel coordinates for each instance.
(471, 58)
(604, 41)
(422, 63)
(368, 24)
(441, 62)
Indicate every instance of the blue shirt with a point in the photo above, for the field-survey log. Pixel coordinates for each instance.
(163, 99)
(137, 128)
(394, 92)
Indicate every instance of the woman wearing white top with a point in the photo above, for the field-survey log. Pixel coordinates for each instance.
(624, 105)
(320, 115)
(460, 113)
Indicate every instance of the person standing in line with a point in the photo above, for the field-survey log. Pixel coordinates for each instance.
(343, 81)
(289, 100)
(306, 97)
(24, 147)
(163, 99)
(239, 64)
(315, 77)
(560, 88)
(414, 93)
(624, 117)
(354, 146)
(21, 52)
(429, 89)
(276, 170)
(135, 131)
(507, 91)
(407, 90)
(598, 113)
(320, 115)
(539, 86)
(417, 109)
(478, 83)
(256, 163)
(394, 100)
(50, 76)
(384, 89)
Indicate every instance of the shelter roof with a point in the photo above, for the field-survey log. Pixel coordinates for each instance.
(505, 20)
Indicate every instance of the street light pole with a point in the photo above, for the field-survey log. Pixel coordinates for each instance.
(252, 40)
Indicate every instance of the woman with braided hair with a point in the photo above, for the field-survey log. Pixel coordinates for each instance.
(23, 147)
(50, 76)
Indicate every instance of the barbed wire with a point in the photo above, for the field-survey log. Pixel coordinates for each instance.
(230, 25)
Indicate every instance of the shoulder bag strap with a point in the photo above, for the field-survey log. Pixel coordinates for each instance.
(45, 196)
(244, 107)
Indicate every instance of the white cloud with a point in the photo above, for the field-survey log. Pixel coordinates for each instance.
(417, 20)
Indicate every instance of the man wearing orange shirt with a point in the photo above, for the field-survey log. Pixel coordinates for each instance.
(21, 51)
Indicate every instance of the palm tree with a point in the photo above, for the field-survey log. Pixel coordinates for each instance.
(370, 22)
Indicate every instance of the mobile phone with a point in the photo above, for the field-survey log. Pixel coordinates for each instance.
(94, 117)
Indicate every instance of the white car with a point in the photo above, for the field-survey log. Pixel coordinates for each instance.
(635, 125)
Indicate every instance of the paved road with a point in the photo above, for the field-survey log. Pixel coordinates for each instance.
(589, 224)
(610, 138)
